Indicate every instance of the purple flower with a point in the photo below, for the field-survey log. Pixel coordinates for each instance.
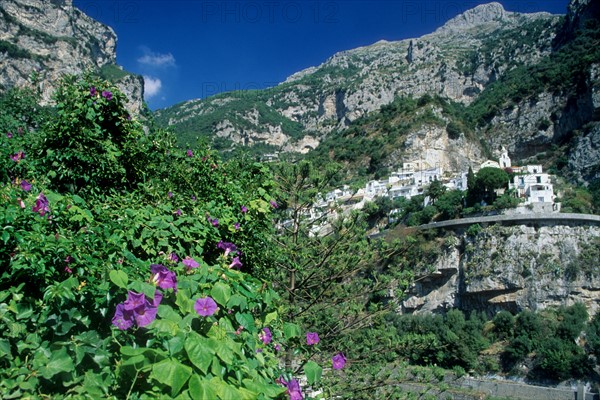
(236, 263)
(339, 360)
(170, 194)
(26, 186)
(134, 300)
(157, 298)
(227, 246)
(107, 95)
(190, 153)
(173, 257)
(274, 204)
(277, 347)
(214, 222)
(9, 135)
(145, 314)
(123, 319)
(18, 156)
(178, 212)
(163, 277)
(93, 91)
(205, 306)
(244, 209)
(236, 226)
(190, 262)
(293, 390)
(41, 205)
(193, 198)
(312, 338)
(68, 259)
(266, 336)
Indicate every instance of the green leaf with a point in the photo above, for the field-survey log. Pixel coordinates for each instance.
(269, 390)
(237, 300)
(291, 330)
(171, 373)
(4, 347)
(313, 372)
(246, 320)
(119, 278)
(224, 390)
(270, 317)
(199, 352)
(143, 287)
(201, 389)
(221, 293)
(59, 362)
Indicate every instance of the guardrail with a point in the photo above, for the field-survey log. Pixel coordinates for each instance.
(525, 219)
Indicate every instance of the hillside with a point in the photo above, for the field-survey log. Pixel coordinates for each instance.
(522, 81)
(41, 41)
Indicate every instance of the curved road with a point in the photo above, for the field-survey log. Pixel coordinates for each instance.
(524, 219)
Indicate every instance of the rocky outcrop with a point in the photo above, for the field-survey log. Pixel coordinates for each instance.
(511, 268)
(41, 41)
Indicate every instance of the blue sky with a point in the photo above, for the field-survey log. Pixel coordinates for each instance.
(190, 49)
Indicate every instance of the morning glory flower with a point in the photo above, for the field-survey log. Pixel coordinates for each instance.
(236, 226)
(9, 135)
(170, 194)
(26, 186)
(236, 263)
(18, 156)
(163, 277)
(266, 336)
(190, 153)
(173, 257)
(312, 338)
(41, 205)
(244, 209)
(93, 91)
(157, 298)
(123, 319)
(107, 95)
(190, 262)
(144, 315)
(274, 204)
(205, 306)
(134, 300)
(293, 390)
(339, 361)
(227, 246)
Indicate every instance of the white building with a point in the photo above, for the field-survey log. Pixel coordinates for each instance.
(534, 186)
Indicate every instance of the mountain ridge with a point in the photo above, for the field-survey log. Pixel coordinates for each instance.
(353, 83)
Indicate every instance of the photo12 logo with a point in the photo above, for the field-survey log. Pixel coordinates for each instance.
(271, 12)
(239, 89)
(111, 12)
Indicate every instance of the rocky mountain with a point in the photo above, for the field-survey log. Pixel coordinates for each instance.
(40, 41)
(511, 268)
(522, 81)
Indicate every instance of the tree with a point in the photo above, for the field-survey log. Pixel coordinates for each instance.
(435, 190)
(327, 270)
(487, 180)
(450, 204)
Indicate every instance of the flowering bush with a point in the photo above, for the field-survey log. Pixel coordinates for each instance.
(188, 320)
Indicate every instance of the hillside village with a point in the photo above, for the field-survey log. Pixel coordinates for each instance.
(529, 183)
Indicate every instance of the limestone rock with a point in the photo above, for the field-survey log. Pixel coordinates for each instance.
(49, 39)
(512, 268)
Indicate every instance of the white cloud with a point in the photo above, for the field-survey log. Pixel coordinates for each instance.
(151, 86)
(156, 59)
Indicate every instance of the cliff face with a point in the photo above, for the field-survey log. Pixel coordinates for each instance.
(48, 39)
(511, 268)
